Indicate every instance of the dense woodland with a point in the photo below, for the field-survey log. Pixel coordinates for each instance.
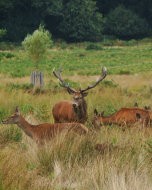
(77, 20)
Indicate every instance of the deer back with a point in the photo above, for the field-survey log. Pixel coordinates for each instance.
(63, 111)
(46, 131)
(125, 116)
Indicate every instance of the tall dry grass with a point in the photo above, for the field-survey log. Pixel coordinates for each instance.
(70, 161)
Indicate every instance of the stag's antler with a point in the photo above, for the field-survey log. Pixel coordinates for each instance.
(62, 82)
(103, 75)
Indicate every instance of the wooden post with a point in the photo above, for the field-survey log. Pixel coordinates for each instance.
(37, 79)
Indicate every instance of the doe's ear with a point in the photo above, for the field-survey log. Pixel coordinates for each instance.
(95, 112)
(102, 113)
(17, 110)
(138, 116)
(135, 104)
(147, 108)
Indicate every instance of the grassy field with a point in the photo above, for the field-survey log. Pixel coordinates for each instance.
(83, 59)
(71, 161)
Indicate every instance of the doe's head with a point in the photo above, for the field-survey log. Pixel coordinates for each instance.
(13, 119)
(97, 119)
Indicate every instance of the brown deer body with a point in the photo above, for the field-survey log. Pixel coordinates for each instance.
(44, 131)
(148, 108)
(125, 116)
(68, 111)
(76, 110)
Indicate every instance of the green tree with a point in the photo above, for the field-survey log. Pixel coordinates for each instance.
(124, 23)
(37, 44)
(48, 7)
(81, 21)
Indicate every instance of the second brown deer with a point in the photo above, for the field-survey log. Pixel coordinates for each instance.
(45, 131)
(147, 108)
(123, 117)
(76, 110)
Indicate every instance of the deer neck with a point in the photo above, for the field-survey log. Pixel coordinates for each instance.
(82, 110)
(108, 120)
(25, 126)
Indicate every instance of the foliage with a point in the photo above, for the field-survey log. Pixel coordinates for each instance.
(2, 33)
(94, 46)
(81, 21)
(6, 55)
(22, 17)
(48, 7)
(36, 44)
(125, 24)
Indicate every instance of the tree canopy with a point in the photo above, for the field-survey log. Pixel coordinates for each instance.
(73, 19)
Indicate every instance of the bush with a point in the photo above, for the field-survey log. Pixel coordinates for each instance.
(93, 46)
(124, 72)
(36, 44)
(6, 55)
(125, 24)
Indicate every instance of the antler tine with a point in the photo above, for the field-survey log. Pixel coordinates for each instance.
(103, 75)
(62, 82)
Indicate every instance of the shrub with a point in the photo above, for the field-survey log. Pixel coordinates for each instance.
(93, 46)
(36, 44)
(6, 55)
(124, 72)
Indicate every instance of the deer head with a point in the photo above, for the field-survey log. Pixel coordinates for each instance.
(13, 119)
(78, 95)
(97, 119)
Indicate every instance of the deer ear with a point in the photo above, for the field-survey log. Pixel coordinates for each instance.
(147, 108)
(17, 110)
(102, 113)
(135, 104)
(138, 116)
(85, 94)
(95, 112)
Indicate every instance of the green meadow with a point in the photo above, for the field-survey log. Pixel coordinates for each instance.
(70, 161)
(83, 59)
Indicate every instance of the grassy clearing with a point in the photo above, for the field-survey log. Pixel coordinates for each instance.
(70, 161)
(118, 58)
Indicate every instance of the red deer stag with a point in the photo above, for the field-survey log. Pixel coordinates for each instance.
(125, 116)
(44, 131)
(76, 110)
